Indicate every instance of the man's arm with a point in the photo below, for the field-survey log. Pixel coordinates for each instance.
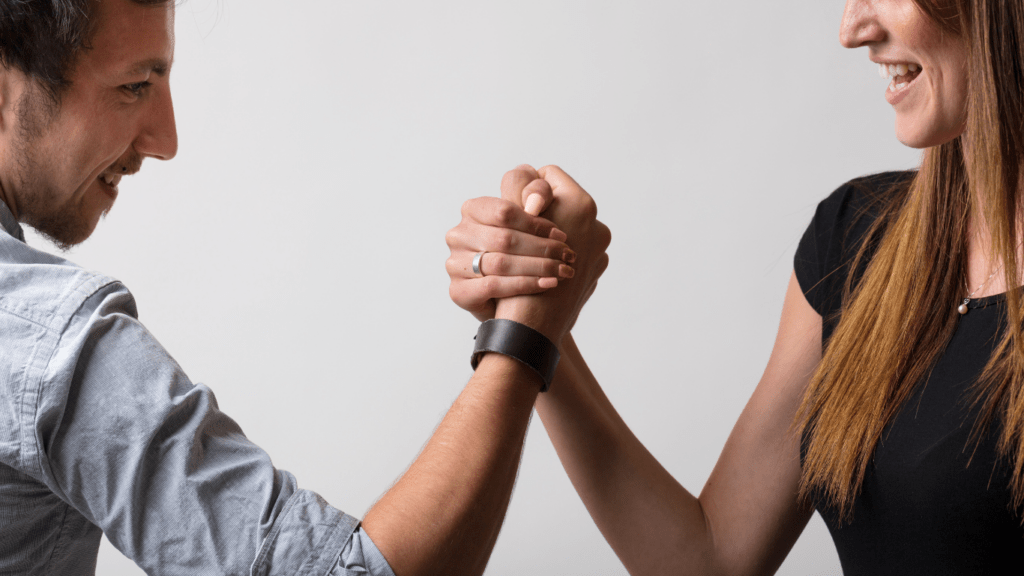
(444, 514)
(98, 413)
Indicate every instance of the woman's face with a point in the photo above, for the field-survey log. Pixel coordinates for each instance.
(925, 67)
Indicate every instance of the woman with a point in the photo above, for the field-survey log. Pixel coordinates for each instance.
(893, 401)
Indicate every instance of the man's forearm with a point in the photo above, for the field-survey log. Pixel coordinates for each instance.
(444, 513)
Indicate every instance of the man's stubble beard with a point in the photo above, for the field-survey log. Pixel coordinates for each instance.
(39, 202)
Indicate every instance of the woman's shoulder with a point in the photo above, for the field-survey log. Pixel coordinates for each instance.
(845, 215)
(837, 231)
(861, 198)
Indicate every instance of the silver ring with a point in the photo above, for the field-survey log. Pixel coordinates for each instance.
(476, 263)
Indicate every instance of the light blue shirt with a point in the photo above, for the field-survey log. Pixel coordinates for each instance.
(102, 432)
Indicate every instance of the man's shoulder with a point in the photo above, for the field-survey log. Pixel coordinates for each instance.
(47, 290)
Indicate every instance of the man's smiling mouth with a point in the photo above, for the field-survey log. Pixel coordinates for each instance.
(111, 179)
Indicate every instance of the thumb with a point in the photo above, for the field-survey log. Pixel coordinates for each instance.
(537, 196)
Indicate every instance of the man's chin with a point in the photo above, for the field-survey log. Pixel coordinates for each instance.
(65, 234)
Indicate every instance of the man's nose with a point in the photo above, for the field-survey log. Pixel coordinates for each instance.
(860, 26)
(158, 135)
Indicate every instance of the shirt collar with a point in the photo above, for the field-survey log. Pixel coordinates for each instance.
(9, 223)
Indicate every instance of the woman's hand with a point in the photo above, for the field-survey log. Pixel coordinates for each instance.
(574, 211)
(523, 253)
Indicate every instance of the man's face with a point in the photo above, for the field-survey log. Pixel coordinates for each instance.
(61, 168)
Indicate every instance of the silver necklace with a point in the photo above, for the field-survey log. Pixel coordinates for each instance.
(962, 308)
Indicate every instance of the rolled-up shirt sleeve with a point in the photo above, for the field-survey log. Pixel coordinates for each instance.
(361, 556)
(121, 434)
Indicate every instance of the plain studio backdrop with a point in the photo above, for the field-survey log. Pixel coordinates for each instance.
(292, 255)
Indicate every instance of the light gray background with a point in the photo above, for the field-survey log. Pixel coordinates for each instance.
(292, 255)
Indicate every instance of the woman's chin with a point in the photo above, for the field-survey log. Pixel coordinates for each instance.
(917, 134)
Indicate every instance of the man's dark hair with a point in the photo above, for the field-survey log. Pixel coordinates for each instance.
(42, 38)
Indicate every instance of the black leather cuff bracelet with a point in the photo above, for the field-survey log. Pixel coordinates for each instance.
(518, 341)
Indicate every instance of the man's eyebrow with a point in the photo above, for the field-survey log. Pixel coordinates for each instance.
(158, 66)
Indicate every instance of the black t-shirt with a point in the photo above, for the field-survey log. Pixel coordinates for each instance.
(926, 506)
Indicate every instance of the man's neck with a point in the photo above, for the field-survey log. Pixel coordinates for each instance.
(9, 223)
(8, 200)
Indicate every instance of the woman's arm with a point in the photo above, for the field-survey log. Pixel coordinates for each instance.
(747, 517)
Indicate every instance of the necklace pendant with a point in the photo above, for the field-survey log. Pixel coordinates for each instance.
(962, 308)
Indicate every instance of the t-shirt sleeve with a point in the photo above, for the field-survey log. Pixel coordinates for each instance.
(142, 452)
(815, 262)
(808, 264)
(829, 246)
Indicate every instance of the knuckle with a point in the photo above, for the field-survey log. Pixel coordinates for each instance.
(554, 250)
(452, 266)
(550, 268)
(604, 235)
(588, 208)
(490, 284)
(497, 263)
(504, 213)
(451, 237)
(504, 241)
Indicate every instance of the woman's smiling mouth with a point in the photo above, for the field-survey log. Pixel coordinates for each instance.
(901, 76)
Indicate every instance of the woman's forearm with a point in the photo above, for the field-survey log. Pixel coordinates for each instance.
(748, 514)
(654, 524)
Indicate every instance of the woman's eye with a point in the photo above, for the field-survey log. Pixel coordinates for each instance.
(137, 88)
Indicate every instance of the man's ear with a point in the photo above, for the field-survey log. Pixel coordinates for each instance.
(13, 83)
(9, 78)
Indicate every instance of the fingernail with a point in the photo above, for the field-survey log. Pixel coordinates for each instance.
(568, 256)
(534, 203)
(566, 271)
(558, 235)
(547, 282)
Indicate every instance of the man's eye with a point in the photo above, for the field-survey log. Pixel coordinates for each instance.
(137, 88)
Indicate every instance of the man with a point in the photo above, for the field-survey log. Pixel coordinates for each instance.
(102, 432)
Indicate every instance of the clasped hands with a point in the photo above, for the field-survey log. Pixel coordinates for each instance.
(538, 271)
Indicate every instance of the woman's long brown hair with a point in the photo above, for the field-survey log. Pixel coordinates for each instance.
(897, 319)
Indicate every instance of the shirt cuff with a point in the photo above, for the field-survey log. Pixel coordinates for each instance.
(361, 556)
(306, 539)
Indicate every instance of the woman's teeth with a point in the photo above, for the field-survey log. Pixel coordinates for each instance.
(889, 70)
(899, 75)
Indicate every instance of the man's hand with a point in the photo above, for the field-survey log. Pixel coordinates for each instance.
(443, 515)
(554, 312)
